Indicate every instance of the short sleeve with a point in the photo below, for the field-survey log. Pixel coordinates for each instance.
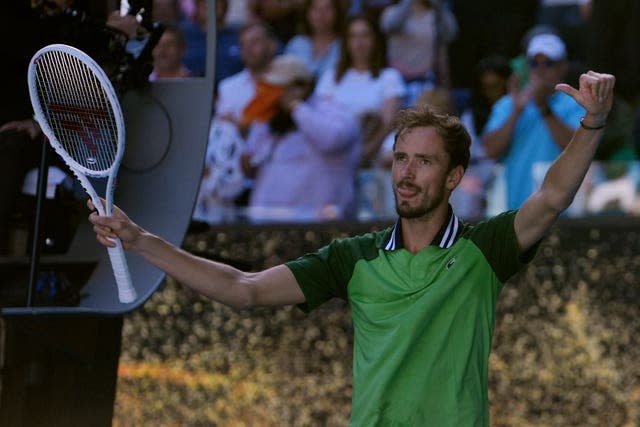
(319, 276)
(392, 84)
(496, 238)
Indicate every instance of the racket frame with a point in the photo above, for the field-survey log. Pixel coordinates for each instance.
(126, 292)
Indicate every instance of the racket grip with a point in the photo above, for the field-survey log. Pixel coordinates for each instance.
(126, 292)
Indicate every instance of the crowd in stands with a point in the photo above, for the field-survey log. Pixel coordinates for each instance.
(494, 64)
(313, 140)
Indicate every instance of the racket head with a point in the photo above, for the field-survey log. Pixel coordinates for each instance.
(77, 108)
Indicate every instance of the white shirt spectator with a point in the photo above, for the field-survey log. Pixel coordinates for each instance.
(360, 91)
(234, 94)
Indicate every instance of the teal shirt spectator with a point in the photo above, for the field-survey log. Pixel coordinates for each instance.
(532, 141)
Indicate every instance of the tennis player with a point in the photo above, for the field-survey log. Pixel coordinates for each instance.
(422, 292)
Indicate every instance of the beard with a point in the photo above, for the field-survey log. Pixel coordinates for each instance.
(425, 205)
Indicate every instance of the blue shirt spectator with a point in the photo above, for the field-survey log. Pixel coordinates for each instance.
(532, 142)
(533, 122)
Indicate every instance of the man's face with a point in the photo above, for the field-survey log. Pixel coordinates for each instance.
(321, 15)
(256, 48)
(168, 53)
(422, 181)
(493, 86)
(546, 72)
(360, 41)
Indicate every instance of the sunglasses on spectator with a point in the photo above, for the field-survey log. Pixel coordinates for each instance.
(547, 63)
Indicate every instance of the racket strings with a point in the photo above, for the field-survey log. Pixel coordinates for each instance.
(78, 110)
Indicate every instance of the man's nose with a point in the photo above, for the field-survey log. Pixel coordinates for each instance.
(409, 169)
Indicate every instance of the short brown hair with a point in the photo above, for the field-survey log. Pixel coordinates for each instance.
(449, 127)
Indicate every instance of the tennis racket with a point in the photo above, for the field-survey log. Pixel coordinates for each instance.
(78, 110)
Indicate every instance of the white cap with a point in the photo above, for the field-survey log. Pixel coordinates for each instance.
(548, 45)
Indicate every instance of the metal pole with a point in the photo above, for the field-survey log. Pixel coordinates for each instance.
(36, 246)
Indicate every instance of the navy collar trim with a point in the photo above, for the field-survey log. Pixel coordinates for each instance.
(446, 237)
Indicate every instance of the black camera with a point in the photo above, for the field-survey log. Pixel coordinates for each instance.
(127, 61)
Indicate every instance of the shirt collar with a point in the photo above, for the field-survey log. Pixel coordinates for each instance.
(446, 237)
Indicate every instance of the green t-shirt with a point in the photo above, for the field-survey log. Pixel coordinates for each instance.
(423, 322)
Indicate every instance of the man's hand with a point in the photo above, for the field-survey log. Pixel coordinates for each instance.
(118, 225)
(520, 95)
(28, 126)
(595, 94)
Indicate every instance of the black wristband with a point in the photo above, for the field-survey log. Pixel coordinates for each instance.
(587, 127)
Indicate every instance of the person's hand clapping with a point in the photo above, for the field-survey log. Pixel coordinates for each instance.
(520, 95)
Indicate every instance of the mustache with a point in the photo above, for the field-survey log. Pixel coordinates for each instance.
(405, 183)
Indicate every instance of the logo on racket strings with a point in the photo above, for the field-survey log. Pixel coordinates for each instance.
(82, 121)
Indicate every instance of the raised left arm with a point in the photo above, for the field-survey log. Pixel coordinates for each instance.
(540, 211)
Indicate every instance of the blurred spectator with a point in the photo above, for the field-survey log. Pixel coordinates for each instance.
(491, 77)
(168, 56)
(281, 15)
(533, 123)
(318, 43)
(520, 62)
(241, 99)
(194, 28)
(228, 60)
(418, 35)
(372, 91)
(258, 46)
(305, 157)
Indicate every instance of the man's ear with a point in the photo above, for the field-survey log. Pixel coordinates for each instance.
(454, 177)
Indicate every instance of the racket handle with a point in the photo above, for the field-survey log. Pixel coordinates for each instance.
(126, 292)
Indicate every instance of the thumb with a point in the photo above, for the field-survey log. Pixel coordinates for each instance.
(568, 89)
